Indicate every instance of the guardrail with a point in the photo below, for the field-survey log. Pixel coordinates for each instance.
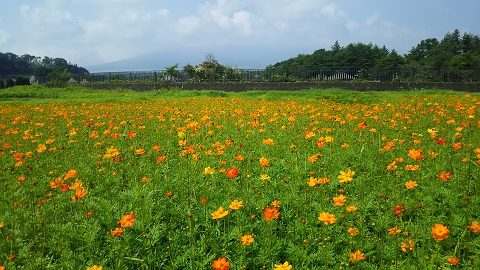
(272, 75)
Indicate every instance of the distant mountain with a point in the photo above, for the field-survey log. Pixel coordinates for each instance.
(259, 58)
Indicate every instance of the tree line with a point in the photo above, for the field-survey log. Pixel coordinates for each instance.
(455, 55)
(14, 65)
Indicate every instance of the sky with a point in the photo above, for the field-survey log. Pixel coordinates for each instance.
(246, 32)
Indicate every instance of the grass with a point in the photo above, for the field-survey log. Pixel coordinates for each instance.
(130, 180)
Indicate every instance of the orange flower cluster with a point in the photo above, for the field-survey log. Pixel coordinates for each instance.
(444, 176)
(313, 181)
(398, 210)
(270, 213)
(126, 221)
(408, 246)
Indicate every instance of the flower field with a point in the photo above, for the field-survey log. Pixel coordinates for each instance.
(241, 183)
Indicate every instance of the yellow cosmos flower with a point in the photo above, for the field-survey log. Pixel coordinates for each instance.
(235, 205)
(346, 177)
(220, 213)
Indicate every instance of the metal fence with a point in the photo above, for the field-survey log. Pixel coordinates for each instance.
(271, 75)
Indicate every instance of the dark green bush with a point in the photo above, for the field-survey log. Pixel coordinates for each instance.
(2, 84)
(10, 83)
(21, 80)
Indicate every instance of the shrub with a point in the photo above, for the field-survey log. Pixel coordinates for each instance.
(10, 83)
(21, 80)
(2, 84)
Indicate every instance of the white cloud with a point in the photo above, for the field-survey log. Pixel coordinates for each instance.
(4, 37)
(188, 25)
(244, 21)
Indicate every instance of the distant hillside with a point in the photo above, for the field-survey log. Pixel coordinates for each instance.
(258, 58)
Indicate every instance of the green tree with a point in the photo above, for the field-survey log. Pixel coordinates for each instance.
(171, 73)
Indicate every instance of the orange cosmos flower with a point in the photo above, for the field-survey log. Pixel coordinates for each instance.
(239, 157)
(440, 141)
(21, 179)
(232, 172)
(80, 193)
(453, 260)
(235, 205)
(357, 256)
(411, 184)
(415, 154)
(95, 267)
(392, 166)
(70, 174)
(457, 145)
(161, 158)
(353, 231)
(276, 204)
(351, 208)
(221, 264)
(117, 232)
(394, 230)
(140, 151)
(474, 227)
(412, 167)
(440, 232)
(362, 125)
(445, 175)
(398, 210)
(264, 162)
(268, 141)
(203, 201)
(339, 200)
(408, 246)
(309, 135)
(313, 158)
(127, 220)
(156, 148)
(41, 148)
(346, 177)
(220, 213)
(327, 218)
(388, 147)
(270, 213)
(145, 179)
(321, 142)
(247, 239)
